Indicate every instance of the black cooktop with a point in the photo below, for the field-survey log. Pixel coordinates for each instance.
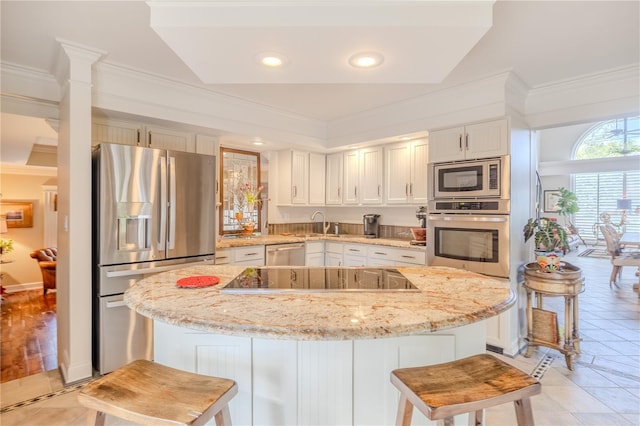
(318, 279)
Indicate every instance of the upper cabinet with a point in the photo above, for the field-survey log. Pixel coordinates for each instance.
(334, 173)
(294, 185)
(129, 133)
(482, 140)
(168, 139)
(363, 176)
(317, 171)
(406, 172)
(119, 132)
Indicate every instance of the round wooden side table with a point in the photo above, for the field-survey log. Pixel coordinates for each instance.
(542, 325)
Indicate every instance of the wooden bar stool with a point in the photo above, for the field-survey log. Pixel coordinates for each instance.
(148, 393)
(467, 385)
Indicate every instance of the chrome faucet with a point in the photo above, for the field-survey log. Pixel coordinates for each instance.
(325, 225)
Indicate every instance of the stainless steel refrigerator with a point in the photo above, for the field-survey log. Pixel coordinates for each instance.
(153, 210)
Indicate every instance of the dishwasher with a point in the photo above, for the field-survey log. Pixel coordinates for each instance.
(285, 254)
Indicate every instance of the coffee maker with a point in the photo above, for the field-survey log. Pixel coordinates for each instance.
(371, 225)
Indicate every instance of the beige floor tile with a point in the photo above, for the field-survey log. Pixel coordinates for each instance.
(25, 388)
(576, 400)
(599, 419)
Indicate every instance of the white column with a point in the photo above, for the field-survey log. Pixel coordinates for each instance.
(73, 72)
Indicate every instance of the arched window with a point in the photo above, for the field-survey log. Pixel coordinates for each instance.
(611, 192)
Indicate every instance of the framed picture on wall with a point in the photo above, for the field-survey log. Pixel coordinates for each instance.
(551, 201)
(19, 214)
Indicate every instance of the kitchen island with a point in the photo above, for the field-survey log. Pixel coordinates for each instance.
(318, 357)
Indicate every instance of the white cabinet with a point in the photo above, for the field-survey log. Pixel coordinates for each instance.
(294, 184)
(249, 255)
(351, 176)
(223, 256)
(406, 172)
(333, 255)
(334, 173)
(312, 382)
(317, 170)
(482, 140)
(120, 132)
(211, 355)
(138, 134)
(363, 176)
(393, 256)
(371, 165)
(355, 254)
(314, 253)
(168, 139)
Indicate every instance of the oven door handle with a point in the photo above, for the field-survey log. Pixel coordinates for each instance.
(469, 218)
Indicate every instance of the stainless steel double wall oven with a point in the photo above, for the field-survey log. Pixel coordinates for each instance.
(468, 222)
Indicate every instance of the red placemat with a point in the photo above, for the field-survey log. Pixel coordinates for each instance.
(198, 281)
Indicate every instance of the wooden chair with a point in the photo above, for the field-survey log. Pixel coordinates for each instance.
(148, 393)
(468, 385)
(618, 257)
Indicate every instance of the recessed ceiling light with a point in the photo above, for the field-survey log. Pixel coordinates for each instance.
(366, 60)
(271, 59)
(258, 143)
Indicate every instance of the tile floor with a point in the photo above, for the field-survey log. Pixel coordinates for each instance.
(603, 389)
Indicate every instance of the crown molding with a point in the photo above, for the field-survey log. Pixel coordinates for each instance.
(585, 98)
(162, 98)
(478, 100)
(28, 83)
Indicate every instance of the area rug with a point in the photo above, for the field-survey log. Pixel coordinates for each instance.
(595, 252)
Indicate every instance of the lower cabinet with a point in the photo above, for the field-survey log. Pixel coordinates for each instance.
(314, 253)
(392, 256)
(333, 254)
(330, 253)
(295, 382)
(250, 255)
(223, 256)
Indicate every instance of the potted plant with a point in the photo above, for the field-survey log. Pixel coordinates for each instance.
(567, 203)
(6, 246)
(550, 241)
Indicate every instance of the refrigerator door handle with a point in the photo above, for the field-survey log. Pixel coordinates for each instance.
(162, 205)
(116, 303)
(172, 203)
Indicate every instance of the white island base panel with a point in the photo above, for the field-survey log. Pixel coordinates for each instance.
(332, 382)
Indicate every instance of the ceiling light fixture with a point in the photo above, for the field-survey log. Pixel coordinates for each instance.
(271, 59)
(366, 60)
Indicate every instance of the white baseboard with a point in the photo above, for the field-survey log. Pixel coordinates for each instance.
(23, 287)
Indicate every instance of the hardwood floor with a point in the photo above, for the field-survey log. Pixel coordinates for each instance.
(29, 334)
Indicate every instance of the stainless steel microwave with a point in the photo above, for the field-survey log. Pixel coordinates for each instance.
(486, 178)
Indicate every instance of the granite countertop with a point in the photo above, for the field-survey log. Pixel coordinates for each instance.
(448, 298)
(283, 239)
